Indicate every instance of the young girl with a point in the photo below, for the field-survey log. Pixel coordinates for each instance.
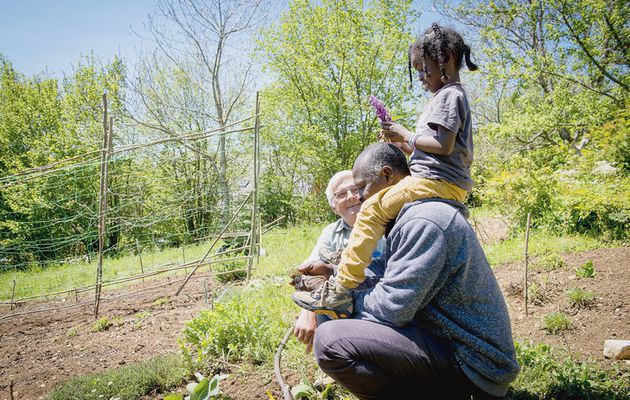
(440, 164)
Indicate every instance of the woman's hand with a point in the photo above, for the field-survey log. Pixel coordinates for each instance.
(305, 327)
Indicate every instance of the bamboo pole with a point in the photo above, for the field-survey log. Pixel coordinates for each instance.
(102, 205)
(213, 243)
(526, 261)
(252, 242)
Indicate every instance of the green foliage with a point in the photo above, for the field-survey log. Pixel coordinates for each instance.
(327, 58)
(206, 389)
(244, 326)
(303, 391)
(556, 323)
(101, 325)
(544, 376)
(580, 298)
(586, 270)
(231, 270)
(549, 262)
(128, 382)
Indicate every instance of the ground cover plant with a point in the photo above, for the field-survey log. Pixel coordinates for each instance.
(128, 382)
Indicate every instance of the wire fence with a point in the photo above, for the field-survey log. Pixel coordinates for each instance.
(134, 199)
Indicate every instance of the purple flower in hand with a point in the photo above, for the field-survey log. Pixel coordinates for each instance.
(381, 111)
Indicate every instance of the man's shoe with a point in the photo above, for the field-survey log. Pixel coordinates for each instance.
(331, 299)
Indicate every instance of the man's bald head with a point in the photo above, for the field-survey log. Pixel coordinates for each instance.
(378, 166)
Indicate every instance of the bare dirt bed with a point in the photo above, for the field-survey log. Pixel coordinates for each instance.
(607, 318)
(40, 350)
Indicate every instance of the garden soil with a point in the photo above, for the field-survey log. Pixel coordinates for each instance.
(38, 351)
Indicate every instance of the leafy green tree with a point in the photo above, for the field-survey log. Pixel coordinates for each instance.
(327, 58)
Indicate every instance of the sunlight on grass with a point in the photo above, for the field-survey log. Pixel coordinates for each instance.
(540, 243)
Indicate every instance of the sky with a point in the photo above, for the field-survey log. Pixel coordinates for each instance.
(50, 36)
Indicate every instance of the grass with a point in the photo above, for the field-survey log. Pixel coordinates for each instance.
(540, 243)
(101, 325)
(37, 280)
(586, 270)
(133, 381)
(556, 323)
(549, 262)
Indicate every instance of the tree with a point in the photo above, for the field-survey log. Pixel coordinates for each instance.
(200, 75)
(327, 58)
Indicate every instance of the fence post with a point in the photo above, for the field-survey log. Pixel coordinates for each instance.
(140, 257)
(13, 294)
(102, 207)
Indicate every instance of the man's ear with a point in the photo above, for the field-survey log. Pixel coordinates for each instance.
(387, 173)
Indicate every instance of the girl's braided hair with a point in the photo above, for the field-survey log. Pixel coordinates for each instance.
(436, 42)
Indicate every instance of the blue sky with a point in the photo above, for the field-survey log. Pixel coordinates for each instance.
(39, 35)
(51, 35)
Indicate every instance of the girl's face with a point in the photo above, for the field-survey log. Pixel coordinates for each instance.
(432, 81)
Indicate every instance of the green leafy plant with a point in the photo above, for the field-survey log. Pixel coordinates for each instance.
(586, 270)
(205, 389)
(536, 293)
(303, 391)
(556, 323)
(230, 270)
(102, 324)
(580, 298)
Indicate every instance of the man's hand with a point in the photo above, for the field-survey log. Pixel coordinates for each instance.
(395, 132)
(316, 268)
(305, 327)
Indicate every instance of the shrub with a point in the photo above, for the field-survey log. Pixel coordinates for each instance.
(556, 322)
(579, 298)
(243, 326)
(586, 270)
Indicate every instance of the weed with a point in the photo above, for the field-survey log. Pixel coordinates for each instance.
(550, 262)
(586, 270)
(243, 326)
(72, 332)
(142, 315)
(132, 381)
(579, 298)
(536, 294)
(544, 376)
(161, 301)
(556, 322)
(118, 321)
(101, 325)
(230, 271)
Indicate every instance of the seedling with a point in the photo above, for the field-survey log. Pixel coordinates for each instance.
(550, 262)
(579, 298)
(102, 324)
(556, 323)
(587, 270)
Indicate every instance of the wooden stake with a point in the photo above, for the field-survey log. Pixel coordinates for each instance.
(13, 294)
(107, 132)
(205, 290)
(140, 257)
(11, 390)
(526, 261)
(254, 228)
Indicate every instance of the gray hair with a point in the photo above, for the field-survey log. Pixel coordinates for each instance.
(330, 193)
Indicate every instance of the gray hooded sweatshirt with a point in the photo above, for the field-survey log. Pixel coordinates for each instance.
(435, 274)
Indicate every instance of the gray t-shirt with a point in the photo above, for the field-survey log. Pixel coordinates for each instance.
(448, 108)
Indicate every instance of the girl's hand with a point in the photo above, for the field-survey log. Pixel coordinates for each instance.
(395, 132)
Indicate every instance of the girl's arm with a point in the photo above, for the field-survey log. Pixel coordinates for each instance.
(441, 141)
